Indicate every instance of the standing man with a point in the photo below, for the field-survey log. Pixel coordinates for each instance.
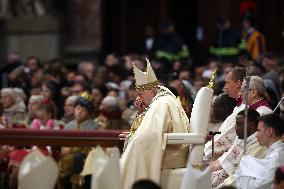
(255, 41)
(254, 172)
(145, 152)
(226, 43)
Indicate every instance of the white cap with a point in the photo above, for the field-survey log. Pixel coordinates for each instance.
(37, 171)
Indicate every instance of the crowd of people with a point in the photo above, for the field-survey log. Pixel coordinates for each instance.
(106, 95)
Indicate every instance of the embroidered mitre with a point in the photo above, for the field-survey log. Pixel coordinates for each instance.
(145, 80)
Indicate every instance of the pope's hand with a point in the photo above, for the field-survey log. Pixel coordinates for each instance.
(139, 104)
(123, 135)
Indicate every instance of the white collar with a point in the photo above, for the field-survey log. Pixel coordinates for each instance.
(273, 146)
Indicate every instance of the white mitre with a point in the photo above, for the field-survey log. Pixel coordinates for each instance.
(145, 80)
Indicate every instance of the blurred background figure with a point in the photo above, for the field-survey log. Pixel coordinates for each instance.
(34, 102)
(225, 47)
(14, 107)
(169, 47)
(279, 178)
(145, 184)
(69, 108)
(110, 114)
(255, 41)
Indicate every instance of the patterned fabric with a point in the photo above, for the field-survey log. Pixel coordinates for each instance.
(229, 161)
(143, 160)
(256, 45)
(225, 140)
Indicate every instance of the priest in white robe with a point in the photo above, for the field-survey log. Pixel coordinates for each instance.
(254, 172)
(146, 153)
(233, 83)
(256, 101)
(227, 164)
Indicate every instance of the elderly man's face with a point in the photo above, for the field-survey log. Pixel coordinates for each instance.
(7, 100)
(146, 96)
(232, 88)
(251, 93)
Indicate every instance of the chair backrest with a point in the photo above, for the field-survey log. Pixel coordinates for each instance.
(199, 121)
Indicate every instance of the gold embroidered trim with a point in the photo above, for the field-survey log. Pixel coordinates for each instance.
(147, 86)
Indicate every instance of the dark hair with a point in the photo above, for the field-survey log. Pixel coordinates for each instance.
(249, 17)
(223, 107)
(145, 184)
(238, 73)
(86, 103)
(173, 90)
(167, 22)
(85, 85)
(279, 175)
(228, 187)
(270, 55)
(253, 115)
(38, 62)
(275, 121)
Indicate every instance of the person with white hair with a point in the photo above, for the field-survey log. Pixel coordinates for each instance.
(110, 114)
(144, 155)
(13, 105)
(256, 101)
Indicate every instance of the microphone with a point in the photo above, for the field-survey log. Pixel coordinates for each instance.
(278, 104)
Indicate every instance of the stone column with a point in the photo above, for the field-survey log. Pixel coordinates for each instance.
(84, 33)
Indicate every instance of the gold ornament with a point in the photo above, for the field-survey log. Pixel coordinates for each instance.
(211, 82)
(86, 96)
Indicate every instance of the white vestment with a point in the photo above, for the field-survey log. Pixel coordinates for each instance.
(146, 153)
(229, 161)
(254, 172)
(228, 135)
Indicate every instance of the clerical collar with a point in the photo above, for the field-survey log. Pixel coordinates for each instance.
(258, 103)
(239, 100)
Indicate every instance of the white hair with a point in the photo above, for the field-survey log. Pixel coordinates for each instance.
(72, 99)
(111, 103)
(257, 83)
(36, 98)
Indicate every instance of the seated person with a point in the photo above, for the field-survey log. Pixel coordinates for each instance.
(110, 114)
(222, 107)
(34, 102)
(44, 117)
(253, 172)
(256, 101)
(69, 108)
(161, 113)
(226, 165)
(72, 159)
(14, 107)
(83, 114)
